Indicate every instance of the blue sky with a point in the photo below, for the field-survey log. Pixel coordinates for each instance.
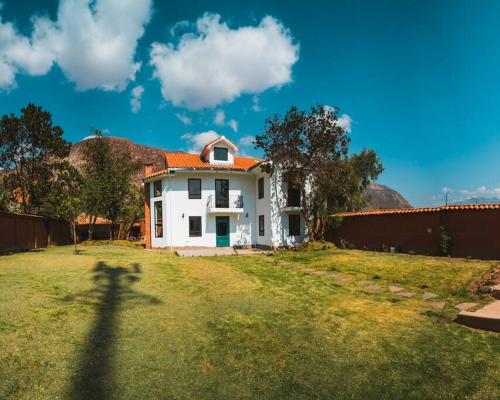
(418, 81)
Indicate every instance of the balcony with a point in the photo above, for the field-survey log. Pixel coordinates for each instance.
(225, 205)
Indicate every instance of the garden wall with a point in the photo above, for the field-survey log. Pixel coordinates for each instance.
(475, 230)
(27, 232)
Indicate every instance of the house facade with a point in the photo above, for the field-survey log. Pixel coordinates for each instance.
(218, 199)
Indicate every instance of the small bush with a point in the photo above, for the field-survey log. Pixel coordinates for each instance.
(315, 246)
(445, 243)
(125, 243)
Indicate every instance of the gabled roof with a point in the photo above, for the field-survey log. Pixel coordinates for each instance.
(179, 160)
(208, 146)
(420, 210)
(195, 162)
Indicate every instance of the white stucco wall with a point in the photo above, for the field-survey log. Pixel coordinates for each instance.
(244, 227)
(263, 207)
(279, 217)
(177, 203)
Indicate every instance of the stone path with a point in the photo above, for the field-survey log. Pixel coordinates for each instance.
(465, 306)
(370, 286)
(438, 306)
(406, 294)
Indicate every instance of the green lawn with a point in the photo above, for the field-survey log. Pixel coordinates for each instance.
(122, 323)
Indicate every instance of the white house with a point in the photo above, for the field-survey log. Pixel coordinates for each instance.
(216, 198)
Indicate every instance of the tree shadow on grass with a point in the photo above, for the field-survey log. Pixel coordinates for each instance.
(113, 291)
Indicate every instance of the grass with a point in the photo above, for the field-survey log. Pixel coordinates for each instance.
(118, 322)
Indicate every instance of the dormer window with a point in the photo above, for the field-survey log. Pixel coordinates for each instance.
(221, 154)
(219, 151)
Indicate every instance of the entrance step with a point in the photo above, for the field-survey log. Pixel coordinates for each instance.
(486, 318)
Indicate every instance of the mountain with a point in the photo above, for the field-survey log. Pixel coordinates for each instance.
(381, 196)
(139, 152)
(384, 197)
(477, 200)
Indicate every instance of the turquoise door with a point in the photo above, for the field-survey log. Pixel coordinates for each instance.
(222, 231)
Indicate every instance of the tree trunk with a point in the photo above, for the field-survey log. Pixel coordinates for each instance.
(125, 229)
(73, 226)
(112, 231)
(92, 221)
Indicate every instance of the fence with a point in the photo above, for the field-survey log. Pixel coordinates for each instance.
(26, 232)
(474, 230)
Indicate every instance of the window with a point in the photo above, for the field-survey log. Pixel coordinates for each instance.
(158, 219)
(261, 188)
(222, 193)
(261, 225)
(294, 225)
(194, 188)
(293, 196)
(220, 154)
(157, 189)
(194, 226)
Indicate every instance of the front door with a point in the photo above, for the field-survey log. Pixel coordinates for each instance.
(222, 231)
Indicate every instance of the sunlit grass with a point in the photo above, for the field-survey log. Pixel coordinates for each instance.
(238, 327)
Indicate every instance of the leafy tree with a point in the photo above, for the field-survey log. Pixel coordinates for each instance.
(311, 151)
(96, 164)
(65, 200)
(108, 172)
(119, 176)
(133, 210)
(30, 148)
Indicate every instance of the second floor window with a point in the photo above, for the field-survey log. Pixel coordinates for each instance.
(194, 188)
(261, 188)
(157, 189)
(220, 154)
(293, 196)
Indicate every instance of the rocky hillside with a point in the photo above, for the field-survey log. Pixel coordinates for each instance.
(381, 196)
(143, 154)
(384, 197)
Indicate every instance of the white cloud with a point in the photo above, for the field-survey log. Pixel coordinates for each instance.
(216, 64)
(247, 140)
(256, 104)
(220, 118)
(184, 119)
(94, 43)
(462, 195)
(18, 53)
(344, 121)
(135, 100)
(179, 26)
(197, 141)
(233, 124)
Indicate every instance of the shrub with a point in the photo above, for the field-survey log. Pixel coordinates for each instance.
(445, 242)
(315, 246)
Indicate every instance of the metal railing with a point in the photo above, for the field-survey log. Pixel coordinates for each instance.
(231, 201)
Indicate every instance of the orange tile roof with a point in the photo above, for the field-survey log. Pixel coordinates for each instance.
(194, 161)
(420, 210)
(84, 220)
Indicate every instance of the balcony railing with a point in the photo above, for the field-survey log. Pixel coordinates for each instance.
(232, 201)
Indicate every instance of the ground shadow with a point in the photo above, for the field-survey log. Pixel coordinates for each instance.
(113, 292)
